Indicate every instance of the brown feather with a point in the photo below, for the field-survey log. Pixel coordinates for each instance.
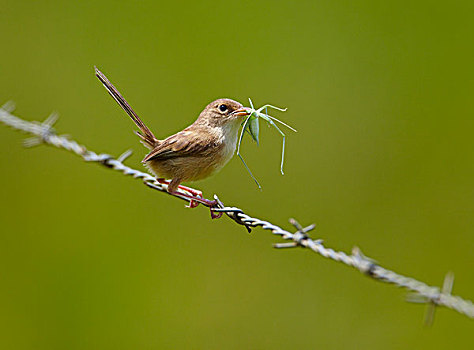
(146, 135)
(192, 141)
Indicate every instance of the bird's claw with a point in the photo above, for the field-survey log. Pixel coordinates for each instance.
(192, 204)
(215, 215)
(207, 202)
(197, 198)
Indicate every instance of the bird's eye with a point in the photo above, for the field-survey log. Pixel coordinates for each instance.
(223, 108)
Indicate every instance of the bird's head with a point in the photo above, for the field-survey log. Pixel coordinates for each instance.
(222, 112)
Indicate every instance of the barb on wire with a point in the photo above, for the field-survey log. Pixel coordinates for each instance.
(433, 296)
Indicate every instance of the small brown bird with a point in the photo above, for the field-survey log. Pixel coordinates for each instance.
(195, 153)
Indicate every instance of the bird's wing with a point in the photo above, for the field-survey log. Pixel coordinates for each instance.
(184, 143)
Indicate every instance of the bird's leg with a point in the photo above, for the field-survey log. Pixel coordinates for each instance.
(174, 186)
(199, 198)
(194, 192)
(195, 198)
(194, 201)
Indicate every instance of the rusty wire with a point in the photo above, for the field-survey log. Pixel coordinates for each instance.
(422, 293)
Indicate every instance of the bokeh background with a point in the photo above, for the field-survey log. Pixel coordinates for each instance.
(382, 96)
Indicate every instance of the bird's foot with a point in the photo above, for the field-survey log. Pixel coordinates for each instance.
(195, 198)
(215, 214)
(195, 201)
(192, 203)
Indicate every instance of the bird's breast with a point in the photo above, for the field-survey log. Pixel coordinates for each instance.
(226, 137)
(228, 140)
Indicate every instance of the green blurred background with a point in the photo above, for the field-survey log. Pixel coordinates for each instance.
(381, 95)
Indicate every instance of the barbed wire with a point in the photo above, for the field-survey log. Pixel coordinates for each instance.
(423, 293)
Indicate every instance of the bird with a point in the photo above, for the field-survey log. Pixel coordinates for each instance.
(195, 153)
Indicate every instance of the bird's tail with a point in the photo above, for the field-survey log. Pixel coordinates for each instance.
(147, 137)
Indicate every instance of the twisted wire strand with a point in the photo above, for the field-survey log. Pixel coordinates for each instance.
(434, 296)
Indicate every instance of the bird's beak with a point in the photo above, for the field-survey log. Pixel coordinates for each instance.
(241, 112)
